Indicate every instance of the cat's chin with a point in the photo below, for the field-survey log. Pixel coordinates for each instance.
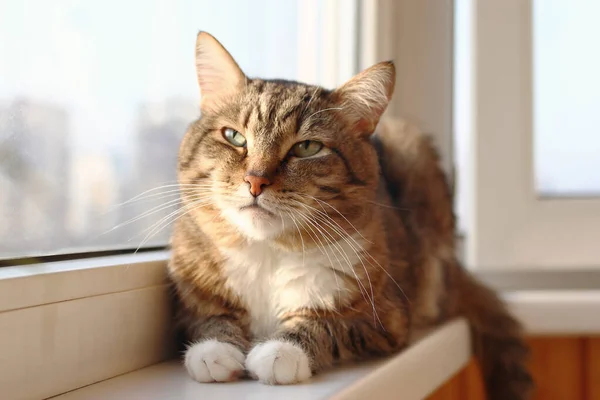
(256, 223)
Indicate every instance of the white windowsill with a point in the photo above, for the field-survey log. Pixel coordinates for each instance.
(410, 375)
(116, 312)
(53, 282)
(542, 311)
(556, 312)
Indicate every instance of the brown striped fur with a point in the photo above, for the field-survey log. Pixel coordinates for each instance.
(384, 192)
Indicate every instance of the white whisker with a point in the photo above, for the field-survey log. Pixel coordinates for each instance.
(340, 214)
(335, 245)
(164, 222)
(360, 247)
(153, 210)
(323, 110)
(301, 239)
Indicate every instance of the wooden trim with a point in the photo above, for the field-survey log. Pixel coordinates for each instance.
(557, 368)
(592, 367)
(465, 385)
(472, 382)
(563, 367)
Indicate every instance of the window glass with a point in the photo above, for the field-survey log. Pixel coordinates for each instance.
(566, 97)
(94, 99)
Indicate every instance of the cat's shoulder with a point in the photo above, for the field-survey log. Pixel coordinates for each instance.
(402, 139)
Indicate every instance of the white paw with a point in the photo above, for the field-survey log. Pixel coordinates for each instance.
(214, 361)
(278, 363)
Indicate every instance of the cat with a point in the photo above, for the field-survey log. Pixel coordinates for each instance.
(311, 233)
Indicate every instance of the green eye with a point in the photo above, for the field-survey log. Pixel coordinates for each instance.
(234, 137)
(306, 148)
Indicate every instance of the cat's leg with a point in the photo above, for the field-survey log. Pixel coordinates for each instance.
(216, 353)
(307, 344)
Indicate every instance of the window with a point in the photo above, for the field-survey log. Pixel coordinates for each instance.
(526, 98)
(566, 91)
(96, 95)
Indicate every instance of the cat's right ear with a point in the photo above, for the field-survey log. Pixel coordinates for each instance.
(218, 74)
(365, 97)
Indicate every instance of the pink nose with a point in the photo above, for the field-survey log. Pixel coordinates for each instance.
(256, 184)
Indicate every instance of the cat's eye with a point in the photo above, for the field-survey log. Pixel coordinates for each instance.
(234, 137)
(306, 148)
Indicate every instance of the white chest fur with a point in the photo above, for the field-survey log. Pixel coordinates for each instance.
(271, 282)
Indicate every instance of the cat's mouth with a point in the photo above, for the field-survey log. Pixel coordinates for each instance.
(256, 218)
(256, 208)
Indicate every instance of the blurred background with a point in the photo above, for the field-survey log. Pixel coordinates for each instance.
(95, 97)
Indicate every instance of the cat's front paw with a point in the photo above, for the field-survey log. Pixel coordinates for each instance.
(278, 363)
(214, 361)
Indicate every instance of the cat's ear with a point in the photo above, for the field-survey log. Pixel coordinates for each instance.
(218, 74)
(365, 97)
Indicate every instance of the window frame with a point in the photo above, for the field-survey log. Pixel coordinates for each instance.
(511, 227)
(421, 45)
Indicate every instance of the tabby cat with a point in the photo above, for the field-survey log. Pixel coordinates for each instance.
(308, 239)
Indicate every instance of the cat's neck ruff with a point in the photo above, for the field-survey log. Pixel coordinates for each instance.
(271, 281)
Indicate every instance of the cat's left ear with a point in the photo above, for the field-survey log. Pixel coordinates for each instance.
(218, 74)
(364, 98)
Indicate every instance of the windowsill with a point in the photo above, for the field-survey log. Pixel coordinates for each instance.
(53, 282)
(412, 374)
(543, 308)
(80, 322)
(556, 312)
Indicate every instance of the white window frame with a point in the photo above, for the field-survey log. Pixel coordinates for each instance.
(418, 37)
(511, 227)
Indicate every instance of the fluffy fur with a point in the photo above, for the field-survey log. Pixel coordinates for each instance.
(342, 254)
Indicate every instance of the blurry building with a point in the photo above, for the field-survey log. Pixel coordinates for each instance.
(94, 193)
(160, 128)
(34, 159)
